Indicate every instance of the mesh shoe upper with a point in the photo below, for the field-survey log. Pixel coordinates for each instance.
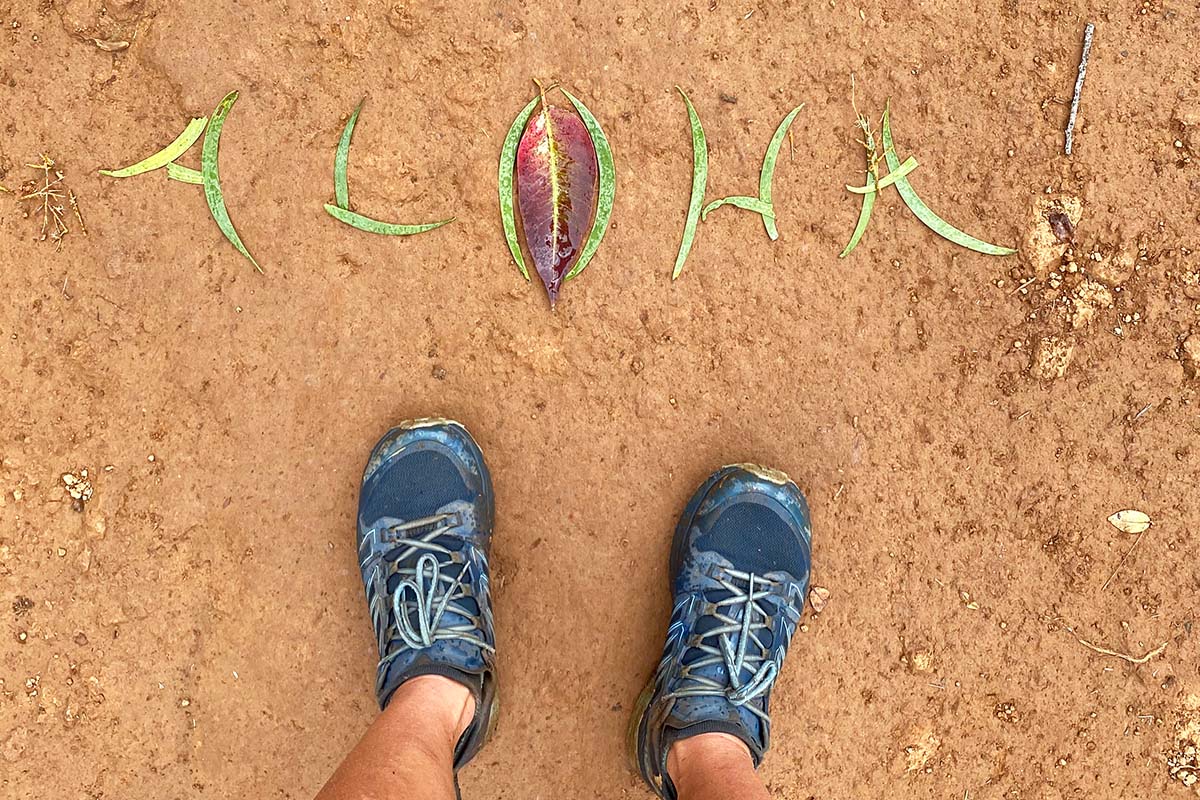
(740, 565)
(424, 529)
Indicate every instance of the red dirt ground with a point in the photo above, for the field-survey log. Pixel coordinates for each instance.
(198, 630)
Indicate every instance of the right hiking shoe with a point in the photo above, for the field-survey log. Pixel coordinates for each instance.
(740, 566)
(425, 516)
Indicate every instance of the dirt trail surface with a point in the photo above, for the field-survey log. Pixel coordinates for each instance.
(963, 425)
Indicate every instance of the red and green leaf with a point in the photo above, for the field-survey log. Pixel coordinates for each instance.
(556, 192)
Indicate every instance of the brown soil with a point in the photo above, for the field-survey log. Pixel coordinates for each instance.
(198, 629)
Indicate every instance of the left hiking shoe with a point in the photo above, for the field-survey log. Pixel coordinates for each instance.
(740, 565)
(425, 516)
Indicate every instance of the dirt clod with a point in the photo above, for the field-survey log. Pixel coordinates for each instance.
(1052, 357)
(1049, 230)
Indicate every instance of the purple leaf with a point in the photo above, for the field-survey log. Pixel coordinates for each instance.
(556, 192)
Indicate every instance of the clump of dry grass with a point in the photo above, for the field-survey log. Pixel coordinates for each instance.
(49, 197)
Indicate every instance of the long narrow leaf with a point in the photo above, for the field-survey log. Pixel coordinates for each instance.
(907, 167)
(699, 185)
(608, 185)
(864, 218)
(383, 228)
(212, 177)
(178, 172)
(924, 212)
(768, 169)
(165, 156)
(341, 185)
(741, 201)
(508, 163)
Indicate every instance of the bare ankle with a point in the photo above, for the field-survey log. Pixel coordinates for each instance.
(701, 754)
(441, 706)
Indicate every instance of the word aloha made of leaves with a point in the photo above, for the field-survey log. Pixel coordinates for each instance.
(557, 171)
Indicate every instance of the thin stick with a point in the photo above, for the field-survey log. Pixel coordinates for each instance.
(1104, 651)
(1083, 63)
(1121, 563)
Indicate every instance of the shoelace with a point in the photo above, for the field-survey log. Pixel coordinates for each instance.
(749, 654)
(424, 592)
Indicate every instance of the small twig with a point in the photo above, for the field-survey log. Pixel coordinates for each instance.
(1104, 651)
(1023, 285)
(1141, 413)
(1121, 563)
(78, 214)
(1083, 63)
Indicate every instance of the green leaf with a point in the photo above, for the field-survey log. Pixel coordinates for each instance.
(768, 169)
(864, 217)
(608, 185)
(508, 162)
(165, 156)
(178, 172)
(341, 186)
(212, 177)
(924, 212)
(908, 166)
(699, 185)
(383, 228)
(741, 201)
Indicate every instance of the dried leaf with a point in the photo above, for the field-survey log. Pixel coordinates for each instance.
(508, 161)
(924, 212)
(178, 172)
(1130, 521)
(212, 178)
(699, 185)
(608, 184)
(341, 187)
(768, 169)
(1061, 227)
(165, 156)
(741, 201)
(382, 228)
(908, 166)
(556, 191)
(111, 46)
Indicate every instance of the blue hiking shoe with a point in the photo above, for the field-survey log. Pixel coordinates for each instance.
(424, 529)
(740, 565)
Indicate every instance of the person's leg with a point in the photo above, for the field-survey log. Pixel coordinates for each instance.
(714, 766)
(409, 750)
(424, 531)
(739, 570)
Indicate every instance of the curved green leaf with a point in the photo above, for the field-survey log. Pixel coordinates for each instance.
(864, 217)
(165, 156)
(924, 212)
(341, 185)
(699, 185)
(383, 228)
(608, 185)
(212, 178)
(508, 162)
(178, 172)
(741, 201)
(768, 169)
(908, 166)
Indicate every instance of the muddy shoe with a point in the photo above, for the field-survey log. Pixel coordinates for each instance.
(739, 569)
(424, 529)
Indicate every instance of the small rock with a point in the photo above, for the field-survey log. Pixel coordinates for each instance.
(818, 598)
(1189, 356)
